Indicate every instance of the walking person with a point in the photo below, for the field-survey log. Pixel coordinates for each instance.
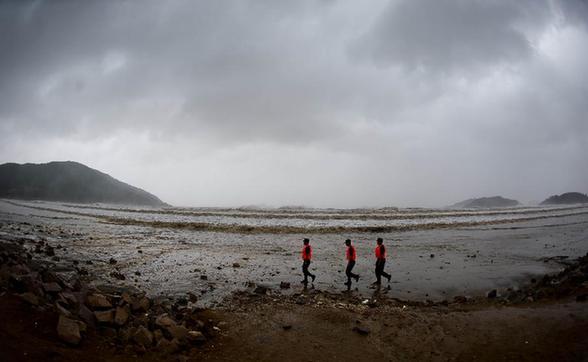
(380, 262)
(350, 255)
(306, 257)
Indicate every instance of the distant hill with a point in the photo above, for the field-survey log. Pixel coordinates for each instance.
(486, 202)
(567, 198)
(68, 181)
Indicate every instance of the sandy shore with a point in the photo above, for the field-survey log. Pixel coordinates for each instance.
(544, 320)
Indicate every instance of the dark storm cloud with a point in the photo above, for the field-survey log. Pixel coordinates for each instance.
(331, 103)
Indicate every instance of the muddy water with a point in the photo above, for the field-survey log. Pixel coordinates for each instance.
(466, 260)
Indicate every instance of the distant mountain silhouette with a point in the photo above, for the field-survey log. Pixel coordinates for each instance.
(486, 202)
(566, 198)
(68, 181)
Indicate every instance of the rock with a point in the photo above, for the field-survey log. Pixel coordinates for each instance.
(104, 317)
(86, 315)
(236, 265)
(143, 337)
(260, 290)
(432, 255)
(196, 337)
(284, 285)
(157, 335)
(581, 298)
(126, 298)
(164, 321)
(287, 327)
(82, 326)
(69, 298)
(141, 304)
(121, 315)
(364, 331)
(68, 330)
(300, 300)
(193, 298)
(167, 347)
(97, 301)
(137, 273)
(51, 287)
(118, 275)
(203, 277)
(62, 310)
(30, 298)
(112, 261)
(177, 332)
(460, 299)
(492, 294)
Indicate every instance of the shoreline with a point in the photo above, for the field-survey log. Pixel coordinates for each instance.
(166, 328)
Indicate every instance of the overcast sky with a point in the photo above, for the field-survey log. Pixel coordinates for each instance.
(318, 103)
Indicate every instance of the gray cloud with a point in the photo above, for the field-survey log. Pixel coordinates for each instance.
(324, 103)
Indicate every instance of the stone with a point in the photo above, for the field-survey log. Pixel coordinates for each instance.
(126, 298)
(164, 321)
(98, 301)
(62, 310)
(260, 290)
(193, 298)
(104, 317)
(167, 347)
(143, 337)
(141, 304)
(30, 298)
(203, 277)
(287, 327)
(196, 337)
(112, 261)
(581, 298)
(117, 275)
(86, 315)
(68, 330)
(364, 331)
(177, 332)
(492, 294)
(236, 265)
(69, 298)
(284, 285)
(83, 327)
(51, 287)
(460, 299)
(121, 315)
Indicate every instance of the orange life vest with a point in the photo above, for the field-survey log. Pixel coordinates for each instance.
(351, 254)
(380, 252)
(306, 252)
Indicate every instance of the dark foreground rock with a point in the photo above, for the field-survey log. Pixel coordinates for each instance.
(126, 319)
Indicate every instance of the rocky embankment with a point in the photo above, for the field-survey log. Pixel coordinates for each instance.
(126, 319)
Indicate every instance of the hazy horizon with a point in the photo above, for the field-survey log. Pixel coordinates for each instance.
(320, 103)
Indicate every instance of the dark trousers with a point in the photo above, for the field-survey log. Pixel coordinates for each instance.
(350, 265)
(380, 270)
(305, 271)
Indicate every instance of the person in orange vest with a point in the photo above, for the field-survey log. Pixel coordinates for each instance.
(306, 257)
(380, 262)
(350, 255)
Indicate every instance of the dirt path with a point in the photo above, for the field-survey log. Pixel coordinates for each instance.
(270, 332)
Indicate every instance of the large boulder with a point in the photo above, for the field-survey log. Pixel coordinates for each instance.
(68, 330)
